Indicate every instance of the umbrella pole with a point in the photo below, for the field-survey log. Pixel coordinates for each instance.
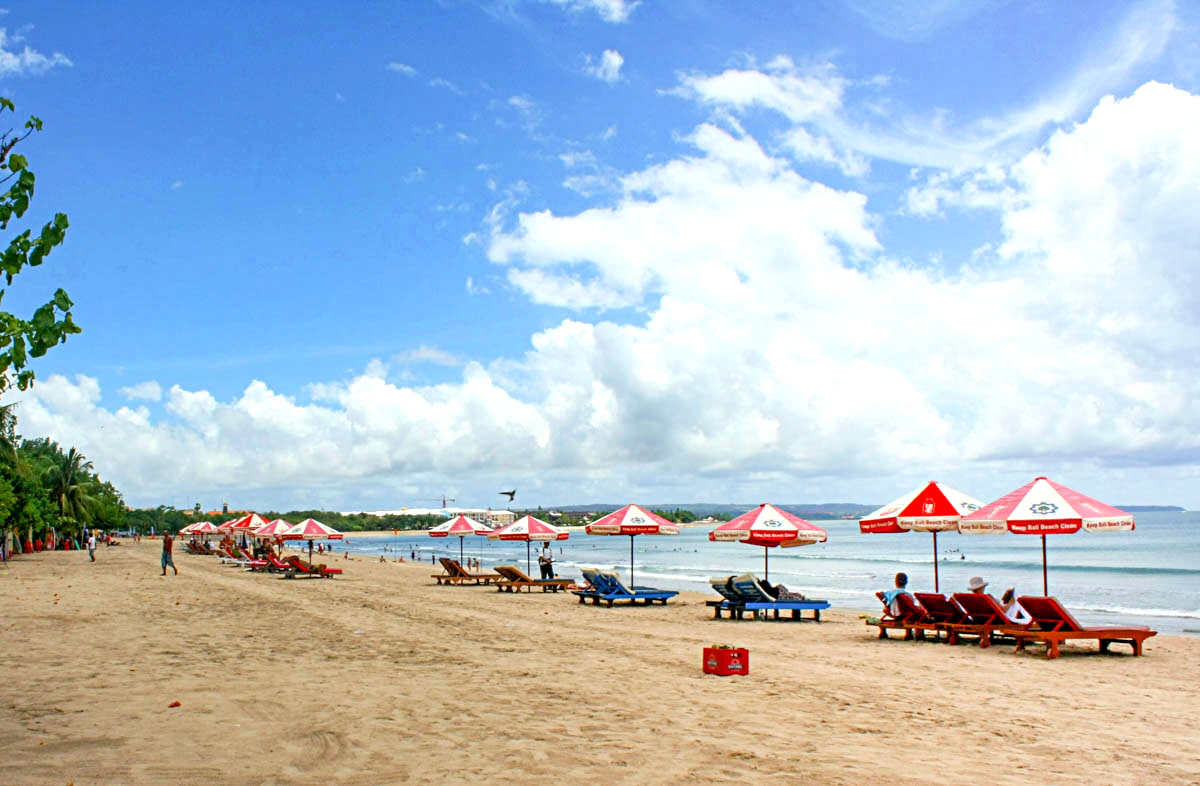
(528, 565)
(631, 563)
(766, 572)
(936, 587)
(1045, 585)
(460, 550)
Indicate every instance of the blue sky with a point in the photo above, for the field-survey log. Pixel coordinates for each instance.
(359, 255)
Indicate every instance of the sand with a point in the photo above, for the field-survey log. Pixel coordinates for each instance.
(378, 676)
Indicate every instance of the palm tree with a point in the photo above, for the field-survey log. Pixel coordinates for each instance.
(69, 482)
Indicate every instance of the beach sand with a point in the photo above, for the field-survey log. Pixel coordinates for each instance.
(378, 676)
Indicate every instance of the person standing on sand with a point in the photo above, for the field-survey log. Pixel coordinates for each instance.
(91, 544)
(167, 558)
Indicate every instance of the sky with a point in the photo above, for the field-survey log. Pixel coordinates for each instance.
(360, 256)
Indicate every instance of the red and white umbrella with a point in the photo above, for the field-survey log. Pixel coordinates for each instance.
(529, 528)
(1044, 507)
(310, 530)
(769, 526)
(461, 527)
(272, 529)
(632, 520)
(228, 525)
(930, 508)
(190, 528)
(248, 523)
(203, 528)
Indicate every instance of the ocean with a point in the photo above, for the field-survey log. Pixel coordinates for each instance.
(1150, 576)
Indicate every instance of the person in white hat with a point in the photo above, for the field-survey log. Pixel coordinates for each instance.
(977, 585)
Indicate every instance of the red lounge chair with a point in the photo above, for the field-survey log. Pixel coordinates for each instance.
(909, 617)
(1053, 624)
(298, 567)
(985, 619)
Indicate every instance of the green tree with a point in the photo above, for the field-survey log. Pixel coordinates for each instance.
(70, 484)
(51, 323)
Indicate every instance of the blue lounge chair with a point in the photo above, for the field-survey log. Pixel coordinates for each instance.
(593, 590)
(755, 599)
(731, 601)
(610, 588)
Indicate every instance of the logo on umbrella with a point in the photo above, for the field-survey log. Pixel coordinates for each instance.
(772, 523)
(970, 506)
(1043, 508)
(637, 520)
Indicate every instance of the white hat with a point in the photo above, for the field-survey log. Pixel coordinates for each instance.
(976, 583)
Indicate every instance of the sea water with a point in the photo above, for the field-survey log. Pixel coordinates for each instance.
(1150, 576)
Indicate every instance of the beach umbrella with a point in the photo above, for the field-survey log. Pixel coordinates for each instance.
(529, 528)
(930, 508)
(310, 530)
(769, 526)
(460, 527)
(272, 529)
(632, 520)
(1043, 507)
(228, 525)
(188, 529)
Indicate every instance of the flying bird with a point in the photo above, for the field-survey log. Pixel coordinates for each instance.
(510, 494)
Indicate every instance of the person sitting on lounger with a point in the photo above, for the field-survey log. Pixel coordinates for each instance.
(889, 597)
(1014, 610)
(780, 592)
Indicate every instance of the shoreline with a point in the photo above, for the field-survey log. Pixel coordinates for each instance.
(379, 675)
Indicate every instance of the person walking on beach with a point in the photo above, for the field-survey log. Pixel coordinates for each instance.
(167, 558)
(91, 544)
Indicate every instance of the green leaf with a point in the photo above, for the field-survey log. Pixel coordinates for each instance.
(61, 300)
(17, 162)
(6, 103)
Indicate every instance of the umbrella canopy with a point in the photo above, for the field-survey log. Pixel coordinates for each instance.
(189, 528)
(529, 528)
(311, 529)
(769, 526)
(460, 526)
(272, 529)
(1044, 507)
(228, 525)
(247, 523)
(930, 508)
(632, 520)
(203, 528)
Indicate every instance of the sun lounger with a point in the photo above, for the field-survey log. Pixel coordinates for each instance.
(610, 588)
(590, 591)
(513, 579)
(985, 619)
(745, 593)
(276, 565)
(229, 558)
(1053, 624)
(456, 574)
(909, 617)
(301, 568)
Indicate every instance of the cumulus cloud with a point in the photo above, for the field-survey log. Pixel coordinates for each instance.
(143, 391)
(16, 60)
(607, 67)
(776, 346)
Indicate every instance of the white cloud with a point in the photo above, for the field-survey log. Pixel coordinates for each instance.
(777, 347)
(609, 10)
(17, 61)
(143, 391)
(402, 68)
(424, 354)
(446, 84)
(606, 68)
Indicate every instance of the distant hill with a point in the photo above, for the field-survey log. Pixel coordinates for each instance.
(1151, 508)
(824, 510)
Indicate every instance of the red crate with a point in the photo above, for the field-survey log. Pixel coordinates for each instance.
(725, 662)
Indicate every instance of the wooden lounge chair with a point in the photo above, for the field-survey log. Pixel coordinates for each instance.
(1053, 625)
(610, 588)
(944, 613)
(909, 617)
(513, 579)
(985, 619)
(456, 574)
(745, 593)
(301, 568)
